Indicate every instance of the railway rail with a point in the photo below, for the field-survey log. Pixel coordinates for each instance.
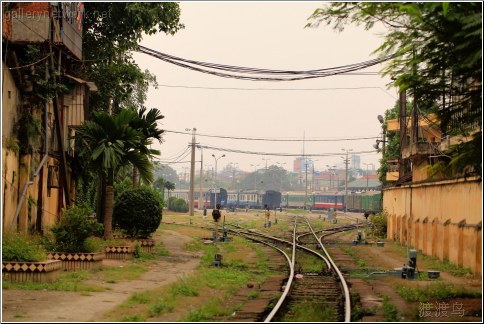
(325, 288)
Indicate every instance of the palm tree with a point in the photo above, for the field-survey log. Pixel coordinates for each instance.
(169, 186)
(147, 125)
(111, 143)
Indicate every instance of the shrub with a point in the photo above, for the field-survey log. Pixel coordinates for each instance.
(73, 229)
(178, 205)
(379, 222)
(138, 212)
(20, 248)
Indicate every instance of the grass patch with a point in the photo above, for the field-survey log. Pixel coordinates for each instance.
(194, 246)
(184, 288)
(308, 262)
(67, 281)
(253, 295)
(352, 253)
(390, 311)
(207, 312)
(18, 315)
(312, 312)
(139, 298)
(159, 307)
(207, 281)
(116, 274)
(133, 318)
(434, 291)
(357, 310)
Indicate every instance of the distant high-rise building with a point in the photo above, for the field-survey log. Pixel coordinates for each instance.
(355, 162)
(300, 165)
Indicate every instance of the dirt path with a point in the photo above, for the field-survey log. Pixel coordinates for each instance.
(60, 306)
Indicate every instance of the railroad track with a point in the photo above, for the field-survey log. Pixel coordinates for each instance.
(315, 289)
(313, 280)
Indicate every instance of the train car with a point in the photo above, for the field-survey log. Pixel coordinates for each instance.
(328, 200)
(250, 199)
(297, 199)
(272, 199)
(180, 194)
(232, 199)
(371, 202)
(185, 195)
(353, 202)
(205, 199)
(221, 198)
(365, 201)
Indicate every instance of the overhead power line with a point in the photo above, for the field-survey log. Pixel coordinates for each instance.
(277, 89)
(279, 154)
(277, 139)
(258, 74)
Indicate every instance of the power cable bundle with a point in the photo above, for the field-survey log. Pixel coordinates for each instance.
(265, 74)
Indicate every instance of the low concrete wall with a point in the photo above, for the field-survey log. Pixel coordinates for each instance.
(78, 261)
(43, 271)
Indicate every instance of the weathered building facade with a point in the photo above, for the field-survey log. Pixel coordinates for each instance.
(439, 216)
(38, 121)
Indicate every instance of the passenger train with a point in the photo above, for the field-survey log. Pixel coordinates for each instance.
(234, 199)
(355, 202)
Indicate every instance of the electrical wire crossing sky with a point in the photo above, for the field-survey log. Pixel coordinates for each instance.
(256, 84)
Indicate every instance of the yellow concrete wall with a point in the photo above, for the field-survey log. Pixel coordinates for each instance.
(10, 158)
(441, 219)
(16, 170)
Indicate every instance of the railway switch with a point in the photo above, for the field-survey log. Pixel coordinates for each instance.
(218, 260)
(408, 271)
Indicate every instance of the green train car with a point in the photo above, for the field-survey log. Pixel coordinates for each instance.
(364, 202)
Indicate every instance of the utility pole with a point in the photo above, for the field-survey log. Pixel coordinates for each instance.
(366, 175)
(192, 173)
(200, 194)
(306, 184)
(306, 164)
(255, 176)
(347, 161)
(266, 162)
(216, 186)
(402, 118)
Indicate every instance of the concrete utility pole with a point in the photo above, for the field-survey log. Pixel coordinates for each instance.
(266, 162)
(200, 194)
(191, 196)
(347, 161)
(331, 170)
(255, 176)
(216, 186)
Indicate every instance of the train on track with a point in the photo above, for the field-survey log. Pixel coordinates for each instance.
(355, 202)
(253, 199)
(258, 199)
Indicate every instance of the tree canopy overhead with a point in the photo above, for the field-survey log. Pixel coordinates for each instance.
(437, 59)
(111, 31)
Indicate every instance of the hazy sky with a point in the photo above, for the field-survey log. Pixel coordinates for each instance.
(267, 35)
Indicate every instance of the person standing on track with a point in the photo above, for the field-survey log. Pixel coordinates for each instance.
(268, 216)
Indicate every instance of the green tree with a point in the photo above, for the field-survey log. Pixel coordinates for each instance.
(169, 186)
(166, 172)
(147, 125)
(435, 54)
(111, 31)
(110, 143)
